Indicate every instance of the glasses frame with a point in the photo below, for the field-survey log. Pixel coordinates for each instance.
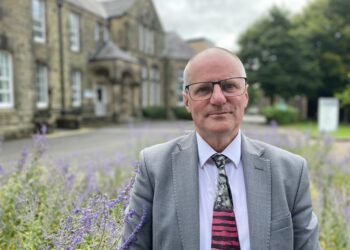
(218, 82)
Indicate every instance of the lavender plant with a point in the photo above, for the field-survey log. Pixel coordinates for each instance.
(64, 205)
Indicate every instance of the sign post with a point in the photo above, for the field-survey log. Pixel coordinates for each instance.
(328, 114)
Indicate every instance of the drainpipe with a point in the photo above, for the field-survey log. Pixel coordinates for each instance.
(61, 50)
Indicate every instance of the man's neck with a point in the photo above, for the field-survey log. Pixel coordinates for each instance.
(219, 141)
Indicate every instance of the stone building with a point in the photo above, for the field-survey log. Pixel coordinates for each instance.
(176, 55)
(199, 44)
(67, 62)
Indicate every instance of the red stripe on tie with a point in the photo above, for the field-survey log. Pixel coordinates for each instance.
(224, 234)
(224, 228)
(220, 213)
(220, 221)
(225, 243)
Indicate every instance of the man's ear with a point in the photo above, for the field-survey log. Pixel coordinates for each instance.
(186, 101)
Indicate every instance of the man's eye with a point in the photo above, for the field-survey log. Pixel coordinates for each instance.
(203, 90)
(229, 86)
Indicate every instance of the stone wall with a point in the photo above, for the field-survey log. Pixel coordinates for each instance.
(17, 32)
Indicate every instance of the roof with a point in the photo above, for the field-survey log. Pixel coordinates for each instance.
(116, 8)
(105, 9)
(201, 40)
(176, 47)
(90, 5)
(110, 51)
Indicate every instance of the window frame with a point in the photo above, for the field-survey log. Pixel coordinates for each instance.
(9, 91)
(74, 32)
(40, 19)
(97, 32)
(76, 88)
(42, 86)
(179, 87)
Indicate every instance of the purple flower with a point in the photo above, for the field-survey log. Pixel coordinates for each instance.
(133, 236)
(23, 159)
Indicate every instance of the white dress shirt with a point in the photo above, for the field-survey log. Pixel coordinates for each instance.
(208, 179)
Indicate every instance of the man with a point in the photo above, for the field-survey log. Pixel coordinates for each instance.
(216, 188)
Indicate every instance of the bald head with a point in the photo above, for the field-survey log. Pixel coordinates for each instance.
(210, 61)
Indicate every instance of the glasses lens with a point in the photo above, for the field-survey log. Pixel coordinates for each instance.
(229, 87)
(232, 87)
(201, 91)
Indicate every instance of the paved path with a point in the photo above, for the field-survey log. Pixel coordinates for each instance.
(120, 141)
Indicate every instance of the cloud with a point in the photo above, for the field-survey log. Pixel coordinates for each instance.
(219, 20)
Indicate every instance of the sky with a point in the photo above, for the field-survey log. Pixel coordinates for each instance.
(221, 21)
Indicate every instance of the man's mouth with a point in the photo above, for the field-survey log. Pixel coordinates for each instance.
(218, 113)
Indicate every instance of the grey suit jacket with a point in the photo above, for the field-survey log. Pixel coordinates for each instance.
(277, 188)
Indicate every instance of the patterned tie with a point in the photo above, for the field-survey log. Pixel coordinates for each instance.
(224, 230)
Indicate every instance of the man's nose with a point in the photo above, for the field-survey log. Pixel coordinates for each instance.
(217, 98)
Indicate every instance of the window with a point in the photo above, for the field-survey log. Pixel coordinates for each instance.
(6, 80)
(42, 86)
(76, 88)
(97, 32)
(141, 38)
(74, 32)
(146, 40)
(144, 86)
(149, 41)
(38, 13)
(179, 87)
(105, 34)
(155, 89)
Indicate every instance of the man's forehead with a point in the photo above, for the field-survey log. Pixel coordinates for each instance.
(216, 60)
(214, 53)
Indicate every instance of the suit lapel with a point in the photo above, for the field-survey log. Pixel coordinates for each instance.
(185, 185)
(257, 177)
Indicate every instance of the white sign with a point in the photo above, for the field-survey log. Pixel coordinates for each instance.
(328, 114)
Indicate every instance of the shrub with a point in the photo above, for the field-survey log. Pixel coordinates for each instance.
(181, 113)
(281, 115)
(154, 112)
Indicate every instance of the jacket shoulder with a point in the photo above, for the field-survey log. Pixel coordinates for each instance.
(156, 156)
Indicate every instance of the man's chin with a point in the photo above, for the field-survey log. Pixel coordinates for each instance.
(221, 128)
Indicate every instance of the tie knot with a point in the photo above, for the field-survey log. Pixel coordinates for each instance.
(219, 160)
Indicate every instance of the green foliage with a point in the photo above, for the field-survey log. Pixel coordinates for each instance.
(306, 54)
(154, 112)
(275, 57)
(255, 95)
(281, 115)
(324, 26)
(344, 96)
(181, 113)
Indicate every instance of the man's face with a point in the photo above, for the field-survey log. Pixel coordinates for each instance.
(219, 115)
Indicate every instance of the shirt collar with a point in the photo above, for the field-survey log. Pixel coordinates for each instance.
(232, 151)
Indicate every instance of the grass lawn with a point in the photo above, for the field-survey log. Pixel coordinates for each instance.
(343, 131)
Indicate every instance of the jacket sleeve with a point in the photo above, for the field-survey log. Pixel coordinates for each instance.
(137, 230)
(305, 225)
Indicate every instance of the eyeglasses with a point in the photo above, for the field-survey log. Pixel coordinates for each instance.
(234, 86)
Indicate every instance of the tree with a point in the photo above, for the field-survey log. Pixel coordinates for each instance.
(325, 26)
(276, 58)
